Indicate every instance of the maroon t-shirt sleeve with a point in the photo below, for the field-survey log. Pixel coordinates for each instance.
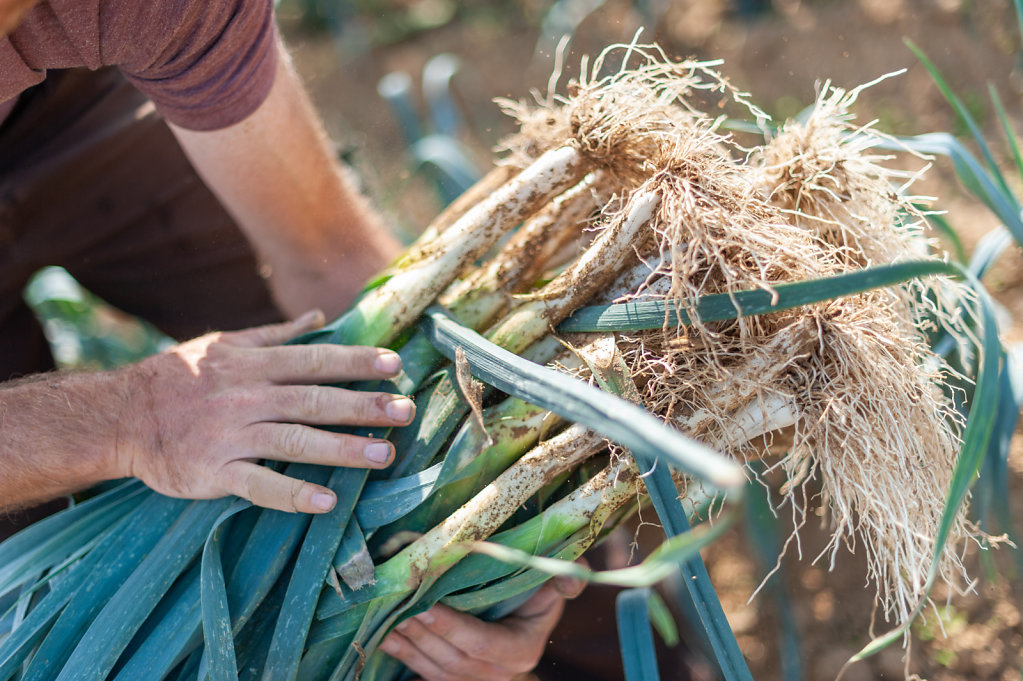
(206, 64)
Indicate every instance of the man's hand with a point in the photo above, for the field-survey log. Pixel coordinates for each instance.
(442, 644)
(207, 410)
(193, 421)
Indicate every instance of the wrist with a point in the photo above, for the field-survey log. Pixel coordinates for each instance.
(328, 281)
(131, 398)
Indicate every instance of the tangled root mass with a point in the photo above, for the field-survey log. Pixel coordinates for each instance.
(851, 383)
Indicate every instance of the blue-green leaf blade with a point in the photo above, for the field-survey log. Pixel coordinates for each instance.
(608, 415)
(19, 644)
(216, 618)
(635, 636)
(45, 544)
(973, 176)
(384, 501)
(962, 111)
(636, 316)
(113, 627)
(314, 559)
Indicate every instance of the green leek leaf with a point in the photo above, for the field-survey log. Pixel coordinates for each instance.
(655, 314)
(216, 619)
(606, 414)
(635, 635)
(963, 113)
(113, 627)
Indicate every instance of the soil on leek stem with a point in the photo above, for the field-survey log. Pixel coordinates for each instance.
(777, 56)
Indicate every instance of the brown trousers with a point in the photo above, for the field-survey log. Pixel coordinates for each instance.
(91, 179)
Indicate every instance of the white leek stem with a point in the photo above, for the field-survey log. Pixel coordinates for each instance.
(445, 544)
(594, 270)
(433, 265)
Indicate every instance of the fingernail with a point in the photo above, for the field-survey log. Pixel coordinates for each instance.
(399, 409)
(425, 617)
(323, 501)
(402, 626)
(377, 452)
(389, 646)
(387, 363)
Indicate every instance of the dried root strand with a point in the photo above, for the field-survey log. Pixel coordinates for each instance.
(625, 119)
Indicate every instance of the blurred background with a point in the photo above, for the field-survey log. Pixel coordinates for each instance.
(406, 88)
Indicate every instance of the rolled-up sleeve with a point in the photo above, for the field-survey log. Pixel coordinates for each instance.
(15, 74)
(205, 64)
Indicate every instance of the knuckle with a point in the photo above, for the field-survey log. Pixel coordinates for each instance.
(292, 442)
(480, 669)
(459, 660)
(233, 480)
(244, 399)
(310, 404)
(318, 359)
(221, 356)
(445, 628)
(447, 674)
(225, 365)
(222, 402)
(480, 648)
(357, 408)
(366, 409)
(262, 336)
(361, 356)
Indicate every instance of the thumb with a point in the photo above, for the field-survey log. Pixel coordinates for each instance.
(275, 334)
(570, 587)
(537, 616)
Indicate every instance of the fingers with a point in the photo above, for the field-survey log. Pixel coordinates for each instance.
(535, 619)
(325, 363)
(320, 405)
(445, 645)
(455, 654)
(269, 489)
(275, 334)
(512, 648)
(289, 442)
(224, 400)
(401, 648)
(314, 363)
(568, 587)
(571, 587)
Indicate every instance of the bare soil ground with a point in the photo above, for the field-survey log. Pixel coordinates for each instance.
(779, 57)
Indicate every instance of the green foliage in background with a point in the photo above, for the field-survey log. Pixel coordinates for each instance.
(84, 332)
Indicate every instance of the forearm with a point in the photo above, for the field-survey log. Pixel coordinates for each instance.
(60, 432)
(276, 174)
